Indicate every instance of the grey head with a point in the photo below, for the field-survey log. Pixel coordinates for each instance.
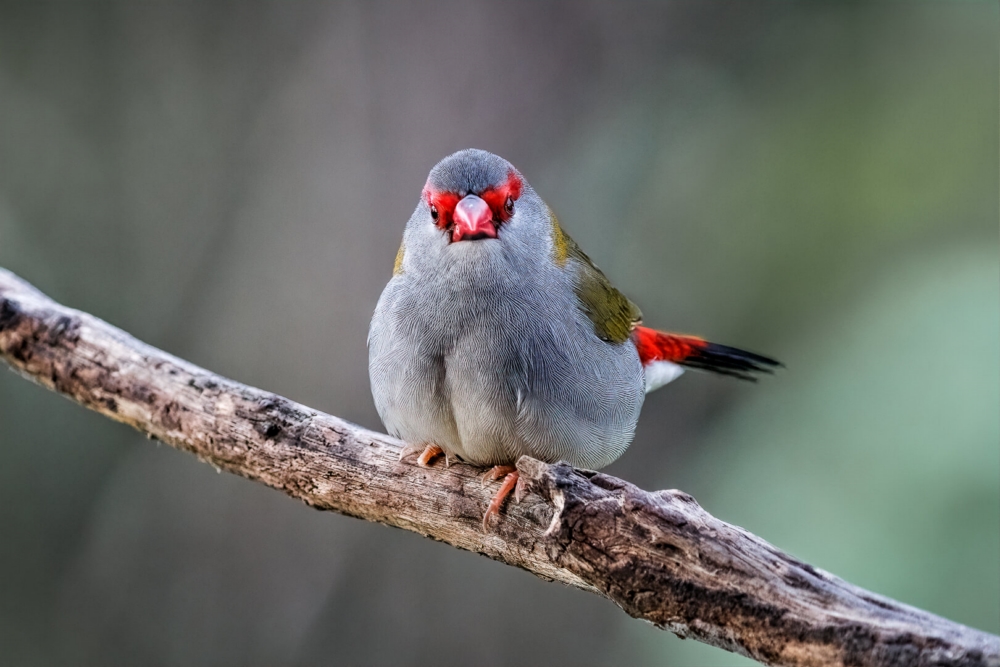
(476, 212)
(470, 171)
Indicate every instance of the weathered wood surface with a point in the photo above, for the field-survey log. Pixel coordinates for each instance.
(659, 556)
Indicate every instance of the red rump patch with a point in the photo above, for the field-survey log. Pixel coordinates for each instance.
(496, 198)
(655, 345)
(695, 352)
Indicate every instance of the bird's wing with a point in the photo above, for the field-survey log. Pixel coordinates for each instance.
(613, 315)
(616, 319)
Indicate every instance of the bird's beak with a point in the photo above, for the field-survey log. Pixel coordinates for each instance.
(473, 220)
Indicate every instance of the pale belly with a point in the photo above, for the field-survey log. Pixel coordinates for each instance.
(498, 390)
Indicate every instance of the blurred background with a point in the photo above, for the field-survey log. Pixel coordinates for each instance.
(229, 182)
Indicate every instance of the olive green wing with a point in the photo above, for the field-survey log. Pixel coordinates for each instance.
(613, 315)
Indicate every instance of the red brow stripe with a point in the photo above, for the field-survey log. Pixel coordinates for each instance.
(497, 197)
(444, 202)
(694, 352)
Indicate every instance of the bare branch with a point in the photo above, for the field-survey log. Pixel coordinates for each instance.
(659, 556)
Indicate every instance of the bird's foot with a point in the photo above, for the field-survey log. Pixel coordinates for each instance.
(409, 450)
(430, 453)
(427, 454)
(496, 472)
(511, 482)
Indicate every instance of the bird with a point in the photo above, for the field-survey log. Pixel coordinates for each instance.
(498, 337)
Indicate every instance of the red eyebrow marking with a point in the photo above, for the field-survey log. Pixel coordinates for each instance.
(496, 198)
(444, 202)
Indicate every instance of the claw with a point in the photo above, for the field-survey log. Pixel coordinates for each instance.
(431, 452)
(410, 450)
(509, 482)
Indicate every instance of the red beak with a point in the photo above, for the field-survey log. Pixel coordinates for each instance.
(473, 220)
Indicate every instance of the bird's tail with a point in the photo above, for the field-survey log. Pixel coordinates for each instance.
(664, 354)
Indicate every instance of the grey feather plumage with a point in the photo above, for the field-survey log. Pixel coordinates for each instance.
(483, 348)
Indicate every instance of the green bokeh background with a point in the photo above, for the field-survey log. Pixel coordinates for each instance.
(229, 181)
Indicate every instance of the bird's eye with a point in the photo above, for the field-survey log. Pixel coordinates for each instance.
(508, 206)
(434, 212)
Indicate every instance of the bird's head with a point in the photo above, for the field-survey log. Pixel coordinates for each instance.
(471, 195)
(477, 216)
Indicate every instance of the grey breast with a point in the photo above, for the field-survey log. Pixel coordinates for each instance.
(491, 359)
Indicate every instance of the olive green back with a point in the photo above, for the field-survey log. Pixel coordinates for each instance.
(612, 313)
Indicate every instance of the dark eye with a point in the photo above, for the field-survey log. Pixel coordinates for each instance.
(434, 212)
(508, 206)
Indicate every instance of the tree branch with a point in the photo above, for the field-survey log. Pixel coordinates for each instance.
(659, 556)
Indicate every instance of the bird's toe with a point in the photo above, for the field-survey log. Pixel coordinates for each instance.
(428, 456)
(509, 482)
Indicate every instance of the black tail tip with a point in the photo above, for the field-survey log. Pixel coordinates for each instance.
(731, 361)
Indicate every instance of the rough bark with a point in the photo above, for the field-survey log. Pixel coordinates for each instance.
(659, 556)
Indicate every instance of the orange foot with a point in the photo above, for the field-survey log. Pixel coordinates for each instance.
(431, 452)
(427, 454)
(511, 482)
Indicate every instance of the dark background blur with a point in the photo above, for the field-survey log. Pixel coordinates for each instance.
(229, 181)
